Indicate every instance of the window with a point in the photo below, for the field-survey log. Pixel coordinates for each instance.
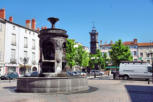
(149, 69)
(0, 26)
(25, 31)
(141, 54)
(135, 47)
(25, 54)
(148, 61)
(33, 56)
(33, 34)
(13, 27)
(147, 54)
(135, 53)
(13, 53)
(33, 44)
(25, 42)
(13, 42)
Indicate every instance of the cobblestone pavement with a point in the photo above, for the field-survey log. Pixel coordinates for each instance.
(100, 91)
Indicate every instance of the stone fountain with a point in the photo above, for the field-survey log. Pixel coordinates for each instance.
(52, 62)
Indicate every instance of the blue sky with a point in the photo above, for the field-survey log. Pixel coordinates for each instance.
(114, 19)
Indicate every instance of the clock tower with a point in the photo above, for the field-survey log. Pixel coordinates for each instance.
(93, 40)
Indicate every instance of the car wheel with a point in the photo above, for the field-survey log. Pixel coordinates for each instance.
(126, 77)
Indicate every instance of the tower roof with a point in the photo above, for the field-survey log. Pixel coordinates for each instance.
(93, 29)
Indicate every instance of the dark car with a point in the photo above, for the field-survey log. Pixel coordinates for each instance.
(96, 72)
(34, 74)
(10, 76)
(3, 77)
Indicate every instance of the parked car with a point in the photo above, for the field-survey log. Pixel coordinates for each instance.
(12, 75)
(83, 74)
(3, 77)
(69, 73)
(73, 73)
(27, 75)
(76, 73)
(34, 74)
(96, 72)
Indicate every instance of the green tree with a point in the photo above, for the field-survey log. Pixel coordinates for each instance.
(92, 60)
(82, 57)
(99, 58)
(119, 52)
(96, 59)
(71, 52)
(105, 61)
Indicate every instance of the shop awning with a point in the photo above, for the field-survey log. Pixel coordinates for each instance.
(26, 66)
(112, 67)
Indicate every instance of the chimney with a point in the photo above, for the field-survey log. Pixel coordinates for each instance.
(38, 29)
(11, 19)
(2, 13)
(135, 41)
(111, 42)
(28, 24)
(45, 27)
(42, 28)
(33, 25)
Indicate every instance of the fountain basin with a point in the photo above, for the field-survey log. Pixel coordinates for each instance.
(52, 84)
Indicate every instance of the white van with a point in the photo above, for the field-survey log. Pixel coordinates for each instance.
(135, 70)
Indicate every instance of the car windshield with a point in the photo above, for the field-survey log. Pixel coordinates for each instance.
(150, 69)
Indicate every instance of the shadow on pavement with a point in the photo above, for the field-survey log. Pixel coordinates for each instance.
(91, 89)
(11, 88)
(140, 93)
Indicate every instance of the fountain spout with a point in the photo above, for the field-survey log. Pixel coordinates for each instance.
(53, 20)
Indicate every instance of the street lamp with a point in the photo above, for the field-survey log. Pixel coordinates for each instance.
(24, 61)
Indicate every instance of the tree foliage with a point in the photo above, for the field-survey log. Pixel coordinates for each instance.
(98, 60)
(75, 54)
(105, 61)
(71, 52)
(119, 52)
(82, 57)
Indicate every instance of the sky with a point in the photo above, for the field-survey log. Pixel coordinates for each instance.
(113, 19)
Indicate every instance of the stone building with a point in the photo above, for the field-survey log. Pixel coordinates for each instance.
(93, 41)
(18, 44)
(140, 51)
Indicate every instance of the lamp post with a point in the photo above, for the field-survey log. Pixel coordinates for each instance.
(24, 61)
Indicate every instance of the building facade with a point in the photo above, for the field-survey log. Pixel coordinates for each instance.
(2, 43)
(93, 41)
(20, 50)
(139, 51)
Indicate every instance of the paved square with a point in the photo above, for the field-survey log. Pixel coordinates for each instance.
(100, 91)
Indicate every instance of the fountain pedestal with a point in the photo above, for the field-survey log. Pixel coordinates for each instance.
(52, 62)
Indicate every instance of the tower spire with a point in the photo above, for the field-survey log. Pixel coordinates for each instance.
(93, 27)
